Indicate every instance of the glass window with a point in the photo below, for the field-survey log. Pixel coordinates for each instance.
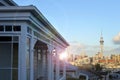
(5, 38)
(15, 38)
(5, 55)
(29, 30)
(8, 58)
(16, 28)
(5, 74)
(15, 55)
(39, 56)
(8, 28)
(1, 28)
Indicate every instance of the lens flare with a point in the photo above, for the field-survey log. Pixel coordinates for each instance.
(63, 56)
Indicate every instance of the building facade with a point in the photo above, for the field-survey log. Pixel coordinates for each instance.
(28, 43)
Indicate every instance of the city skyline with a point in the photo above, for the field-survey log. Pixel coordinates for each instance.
(81, 23)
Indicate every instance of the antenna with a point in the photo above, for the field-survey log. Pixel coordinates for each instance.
(101, 32)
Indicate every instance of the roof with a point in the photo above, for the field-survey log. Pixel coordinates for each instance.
(14, 7)
(71, 68)
(7, 3)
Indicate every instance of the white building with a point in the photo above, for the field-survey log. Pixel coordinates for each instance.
(27, 44)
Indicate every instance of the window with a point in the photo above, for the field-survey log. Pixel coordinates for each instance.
(4, 38)
(1, 28)
(8, 28)
(16, 28)
(9, 58)
(5, 55)
(39, 54)
(29, 30)
(15, 55)
(5, 74)
(15, 38)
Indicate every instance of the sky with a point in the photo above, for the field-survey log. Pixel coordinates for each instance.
(81, 23)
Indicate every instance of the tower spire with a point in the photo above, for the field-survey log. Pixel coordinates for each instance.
(101, 33)
(101, 45)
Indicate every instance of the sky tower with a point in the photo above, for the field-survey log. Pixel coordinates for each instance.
(101, 45)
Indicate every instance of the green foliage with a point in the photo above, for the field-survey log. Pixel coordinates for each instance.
(98, 67)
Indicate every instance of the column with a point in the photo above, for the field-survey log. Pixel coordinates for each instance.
(64, 70)
(22, 53)
(49, 66)
(52, 66)
(57, 67)
(50, 63)
(32, 59)
(64, 67)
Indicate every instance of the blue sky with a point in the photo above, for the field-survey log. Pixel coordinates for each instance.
(80, 22)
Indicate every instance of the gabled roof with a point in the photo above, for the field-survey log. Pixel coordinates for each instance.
(7, 3)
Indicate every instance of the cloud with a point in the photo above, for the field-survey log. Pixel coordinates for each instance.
(82, 49)
(116, 50)
(76, 47)
(116, 39)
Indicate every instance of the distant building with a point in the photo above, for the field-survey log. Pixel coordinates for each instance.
(106, 61)
(101, 46)
(116, 58)
(27, 44)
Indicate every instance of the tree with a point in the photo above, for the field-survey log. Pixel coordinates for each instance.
(98, 67)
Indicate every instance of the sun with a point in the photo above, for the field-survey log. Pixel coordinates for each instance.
(63, 56)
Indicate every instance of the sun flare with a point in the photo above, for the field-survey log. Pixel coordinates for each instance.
(63, 56)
